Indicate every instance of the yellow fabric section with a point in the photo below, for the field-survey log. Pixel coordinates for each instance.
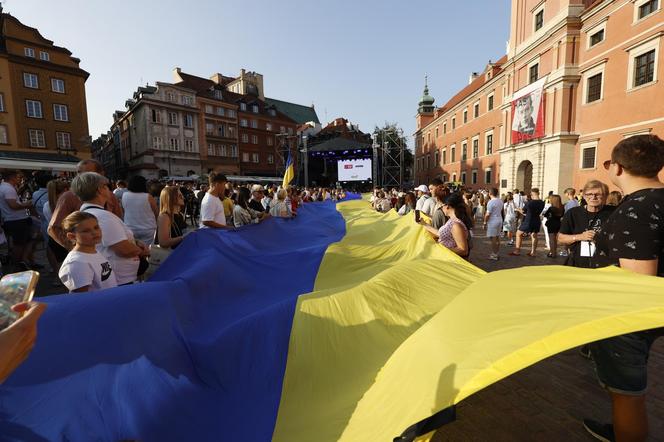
(399, 328)
(288, 175)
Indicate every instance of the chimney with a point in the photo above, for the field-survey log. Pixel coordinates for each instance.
(176, 75)
(472, 77)
(217, 78)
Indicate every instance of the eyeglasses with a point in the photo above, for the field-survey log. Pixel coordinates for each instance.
(593, 195)
(607, 164)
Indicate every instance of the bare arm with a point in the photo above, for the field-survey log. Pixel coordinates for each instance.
(126, 249)
(215, 225)
(15, 205)
(645, 267)
(568, 240)
(461, 239)
(429, 228)
(164, 232)
(153, 206)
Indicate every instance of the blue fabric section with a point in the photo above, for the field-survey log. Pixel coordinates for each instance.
(199, 353)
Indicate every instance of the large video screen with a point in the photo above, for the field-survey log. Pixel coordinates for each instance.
(354, 170)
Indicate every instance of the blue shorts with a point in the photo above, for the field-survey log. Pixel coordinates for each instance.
(621, 362)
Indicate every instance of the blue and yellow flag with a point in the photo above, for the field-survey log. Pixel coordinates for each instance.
(341, 324)
(289, 174)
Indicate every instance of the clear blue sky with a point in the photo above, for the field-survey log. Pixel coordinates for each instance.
(364, 60)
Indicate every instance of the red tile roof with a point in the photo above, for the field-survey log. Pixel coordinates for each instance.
(474, 86)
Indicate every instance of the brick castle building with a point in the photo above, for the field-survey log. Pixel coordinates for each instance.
(43, 111)
(578, 77)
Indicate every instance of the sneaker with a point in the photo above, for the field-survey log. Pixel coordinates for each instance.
(510, 243)
(603, 432)
(563, 253)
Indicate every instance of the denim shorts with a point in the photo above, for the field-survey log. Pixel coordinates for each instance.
(621, 362)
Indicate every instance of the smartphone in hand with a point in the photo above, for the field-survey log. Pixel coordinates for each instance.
(14, 289)
(417, 216)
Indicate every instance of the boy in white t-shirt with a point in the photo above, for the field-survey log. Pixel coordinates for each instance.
(84, 269)
(212, 208)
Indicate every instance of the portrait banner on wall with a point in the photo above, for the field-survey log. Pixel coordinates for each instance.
(528, 112)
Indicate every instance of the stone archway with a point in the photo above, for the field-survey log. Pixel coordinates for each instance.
(524, 176)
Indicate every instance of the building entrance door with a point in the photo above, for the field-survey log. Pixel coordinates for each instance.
(524, 176)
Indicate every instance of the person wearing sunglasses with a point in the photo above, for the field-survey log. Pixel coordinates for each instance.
(632, 238)
(581, 223)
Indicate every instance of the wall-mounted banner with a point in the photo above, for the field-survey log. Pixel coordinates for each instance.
(528, 112)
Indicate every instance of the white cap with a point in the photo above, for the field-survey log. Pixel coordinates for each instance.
(422, 188)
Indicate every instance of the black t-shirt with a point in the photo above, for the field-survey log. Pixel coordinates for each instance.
(256, 205)
(635, 230)
(577, 220)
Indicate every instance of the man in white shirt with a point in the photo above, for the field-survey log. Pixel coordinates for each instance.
(120, 189)
(17, 224)
(212, 209)
(429, 206)
(422, 195)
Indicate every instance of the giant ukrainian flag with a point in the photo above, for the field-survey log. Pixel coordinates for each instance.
(339, 325)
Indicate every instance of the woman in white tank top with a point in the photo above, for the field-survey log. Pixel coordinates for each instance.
(140, 210)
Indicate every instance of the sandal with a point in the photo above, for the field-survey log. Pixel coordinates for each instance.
(532, 255)
(514, 253)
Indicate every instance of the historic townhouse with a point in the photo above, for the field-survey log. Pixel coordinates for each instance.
(158, 133)
(43, 114)
(573, 83)
(197, 125)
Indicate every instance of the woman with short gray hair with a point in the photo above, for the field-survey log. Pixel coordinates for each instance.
(117, 242)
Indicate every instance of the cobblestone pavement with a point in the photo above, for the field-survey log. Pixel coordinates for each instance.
(544, 402)
(547, 401)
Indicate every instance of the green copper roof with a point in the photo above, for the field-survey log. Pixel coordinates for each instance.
(296, 112)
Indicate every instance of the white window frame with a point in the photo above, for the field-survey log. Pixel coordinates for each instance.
(209, 129)
(4, 134)
(173, 116)
(189, 145)
(55, 81)
(268, 127)
(188, 117)
(34, 135)
(270, 158)
(534, 62)
(254, 108)
(157, 143)
(243, 106)
(464, 144)
(638, 4)
(36, 106)
(209, 109)
(234, 151)
(244, 122)
(211, 149)
(588, 145)
(254, 139)
(254, 124)
(245, 138)
(218, 94)
(492, 95)
(444, 127)
(535, 12)
(487, 134)
(464, 116)
(255, 158)
(174, 144)
(29, 52)
(490, 170)
(245, 157)
(63, 140)
(453, 150)
(221, 111)
(2, 102)
(270, 142)
(44, 56)
(62, 111)
(473, 176)
(464, 175)
(187, 100)
(597, 69)
(638, 50)
(472, 143)
(28, 78)
(478, 103)
(443, 156)
(594, 30)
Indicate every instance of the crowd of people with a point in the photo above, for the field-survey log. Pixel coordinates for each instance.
(126, 221)
(101, 235)
(592, 228)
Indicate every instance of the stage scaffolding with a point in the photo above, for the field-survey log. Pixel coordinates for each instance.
(388, 156)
